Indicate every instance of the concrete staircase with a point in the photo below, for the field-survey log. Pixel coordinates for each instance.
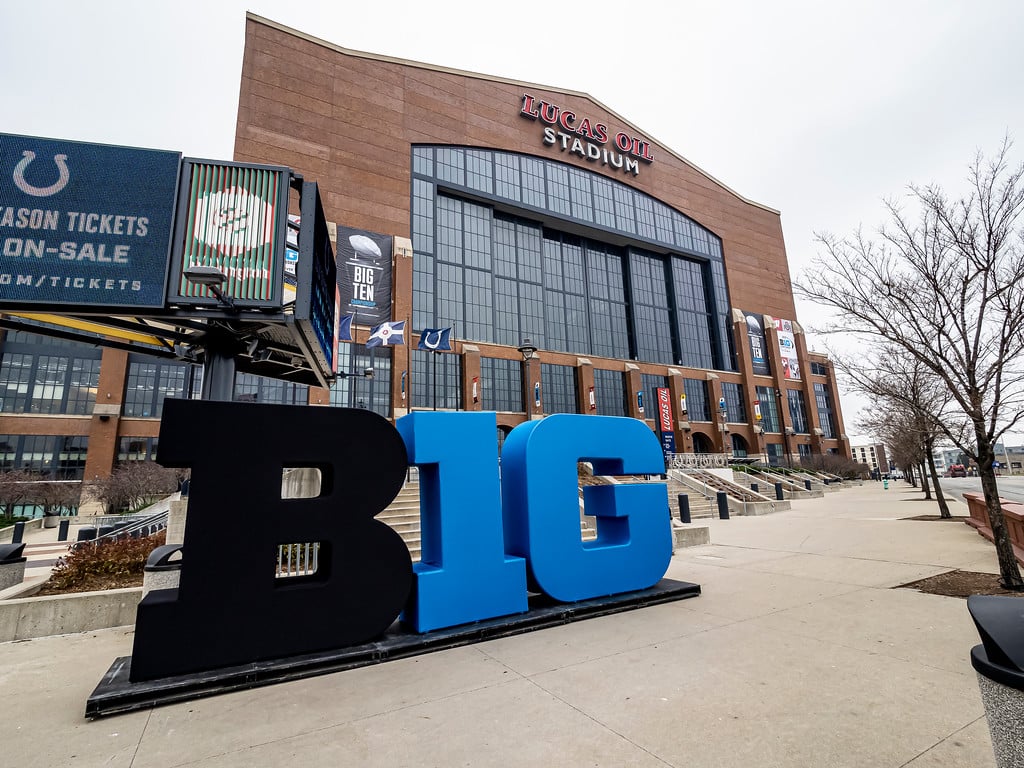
(403, 515)
(701, 506)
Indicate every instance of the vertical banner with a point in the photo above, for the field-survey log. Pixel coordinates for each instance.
(476, 389)
(758, 345)
(787, 349)
(665, 431)
(593, 400)
(536, 394)
(364, 275)
(640, 401)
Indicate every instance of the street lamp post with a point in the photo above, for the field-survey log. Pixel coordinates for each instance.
(367, 373)
(528, 351)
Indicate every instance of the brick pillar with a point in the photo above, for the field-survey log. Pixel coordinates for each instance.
(634, 385)
(684, 443)
(584, 384)
(471, 378)
(106, 415)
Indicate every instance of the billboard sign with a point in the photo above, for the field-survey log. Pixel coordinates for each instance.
(316, 282)
(758, 346)
(364, 275)
(84, 225)
(233, 217)
(787, 349)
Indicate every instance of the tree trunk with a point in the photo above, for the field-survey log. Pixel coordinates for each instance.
(1009, 571)
(911, 475)
(924, 482)
(940, 497)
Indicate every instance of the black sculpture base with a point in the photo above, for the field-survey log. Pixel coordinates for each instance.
(116, 694)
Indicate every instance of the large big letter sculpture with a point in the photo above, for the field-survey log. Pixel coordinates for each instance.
(483, 539)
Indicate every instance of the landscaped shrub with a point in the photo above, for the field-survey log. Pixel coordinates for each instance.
(107, 565)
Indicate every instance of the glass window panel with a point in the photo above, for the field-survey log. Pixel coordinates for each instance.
(735, 403)
(506, 176)
(48, 390)
(436, 380)
(479, 173)
(697, 406)
(15, 375)
(501, 385)
(797, 411)
(558, 189)
(769, 410)
(610, 392)
(451, 165)
(82, 386)
(826, 414)
(423, 160)
(558, 388)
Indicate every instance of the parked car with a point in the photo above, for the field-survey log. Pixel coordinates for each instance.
(958, 470)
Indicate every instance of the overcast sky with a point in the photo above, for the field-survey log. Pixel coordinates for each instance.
(819, 110)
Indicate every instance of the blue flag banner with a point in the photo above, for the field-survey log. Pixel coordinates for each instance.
(345, 328)
(387, 333)
(436, 339)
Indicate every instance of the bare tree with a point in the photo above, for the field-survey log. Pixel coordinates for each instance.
(944, 282)
(910, 408)
(132, 485)
(15, 486)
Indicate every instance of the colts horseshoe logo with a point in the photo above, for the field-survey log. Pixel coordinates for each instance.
(19, 175)
(436, 340)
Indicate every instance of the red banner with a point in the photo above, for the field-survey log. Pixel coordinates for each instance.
(665, 409)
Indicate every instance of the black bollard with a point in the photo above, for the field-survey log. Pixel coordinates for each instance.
(754, 487)
(723, 505)
(778, 492)
(807, 484)
(62, 529)
(684, 508)
(19, 533)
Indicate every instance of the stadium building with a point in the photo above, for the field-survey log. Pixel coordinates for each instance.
(531, 221)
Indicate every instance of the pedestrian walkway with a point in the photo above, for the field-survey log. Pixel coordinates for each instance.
(799, 652)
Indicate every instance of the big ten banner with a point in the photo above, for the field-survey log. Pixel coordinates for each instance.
(787, 349)
(364, 275)
(758, 346)
(86, 225)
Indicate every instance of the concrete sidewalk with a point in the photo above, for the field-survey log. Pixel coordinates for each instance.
(798, 653)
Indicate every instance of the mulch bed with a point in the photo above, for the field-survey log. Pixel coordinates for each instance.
(94, 584)
(961, 584)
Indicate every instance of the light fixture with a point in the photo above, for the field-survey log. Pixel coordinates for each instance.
(211, 278)
(527, 350)
(366, 374)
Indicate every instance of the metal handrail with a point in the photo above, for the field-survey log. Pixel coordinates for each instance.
(157, 520)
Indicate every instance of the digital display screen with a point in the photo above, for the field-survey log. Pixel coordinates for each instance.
(85, 225)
